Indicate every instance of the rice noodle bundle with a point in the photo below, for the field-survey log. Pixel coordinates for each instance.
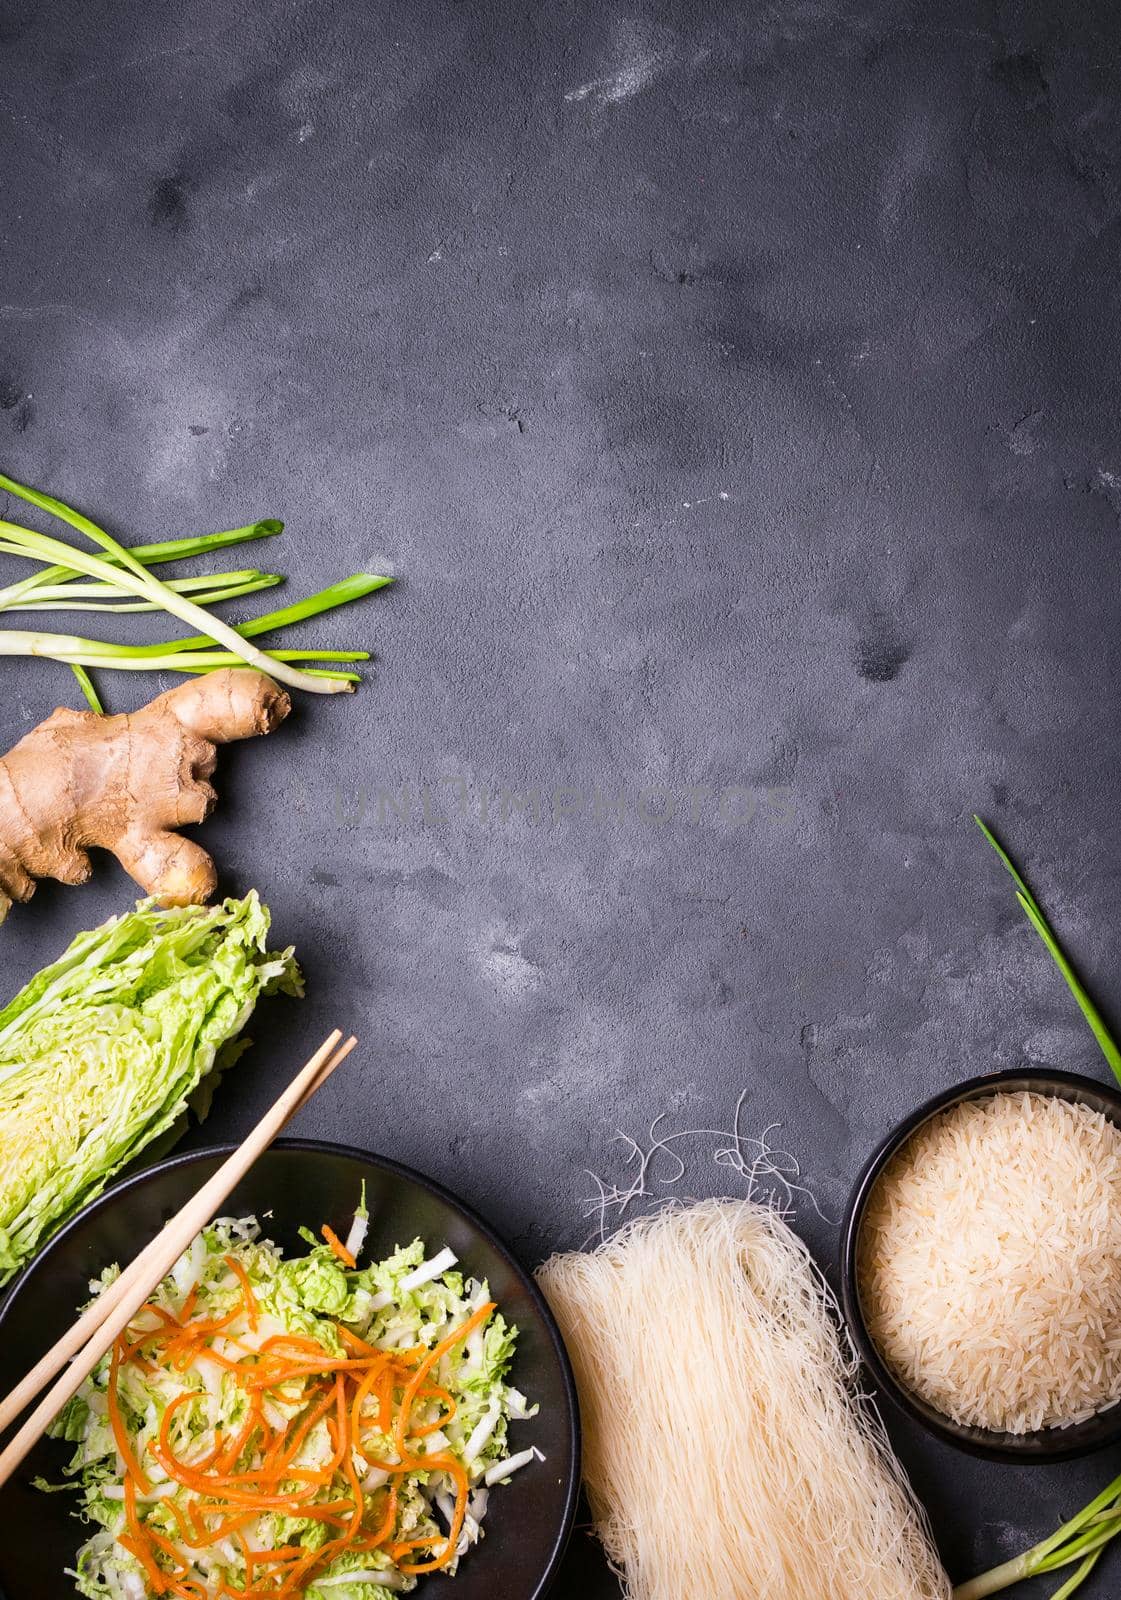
(726, 1452)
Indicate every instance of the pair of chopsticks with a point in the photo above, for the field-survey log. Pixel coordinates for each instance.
(112, 1311)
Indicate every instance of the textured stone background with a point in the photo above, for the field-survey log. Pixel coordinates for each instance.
(733, 389)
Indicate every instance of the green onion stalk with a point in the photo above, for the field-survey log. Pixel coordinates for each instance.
(209, 589)
(149, 555)
(134, 577)
(1030, 907)
(1078, 1543)
(74, 651)
(122, 583)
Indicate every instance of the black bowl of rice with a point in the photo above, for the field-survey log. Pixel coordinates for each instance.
(981, 1265)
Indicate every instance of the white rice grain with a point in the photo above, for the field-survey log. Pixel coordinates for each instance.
(990, 1268)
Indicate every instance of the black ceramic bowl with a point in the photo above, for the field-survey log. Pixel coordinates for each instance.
(1049, 1444)
(301, 1182)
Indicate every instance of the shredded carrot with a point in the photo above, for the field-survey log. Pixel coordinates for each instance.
(357, 1346)
(386, 1526)
(116, 1422)
(239, 1272)
(251, 1472)
(365, 1384)
(337, 1246)
(401, 1547)
(180, 1519)
(445, 1463)
(162, 1542)
(286, 1450)
(385, 1404)
(188, 1589)
(153, 1336)
(136, 1542)
(185, 1345)
(295, 1341)
(139, 1549)
(161, 1313)
(272, 1371)
(185, 1398)
(428, 1392)
(455, 1338)
(356, 1489)
(229, 1456)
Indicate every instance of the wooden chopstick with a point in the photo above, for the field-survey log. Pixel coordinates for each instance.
(101, 1307)
(96, 1329)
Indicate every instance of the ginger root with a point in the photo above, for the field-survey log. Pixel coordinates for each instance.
(126, 784)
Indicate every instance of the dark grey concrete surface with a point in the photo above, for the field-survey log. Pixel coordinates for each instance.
(733, 389)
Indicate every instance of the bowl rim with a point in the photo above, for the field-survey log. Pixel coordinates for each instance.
(398, 1169)
(1044, 1447)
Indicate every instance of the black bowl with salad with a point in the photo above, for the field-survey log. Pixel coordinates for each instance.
(346, 1389)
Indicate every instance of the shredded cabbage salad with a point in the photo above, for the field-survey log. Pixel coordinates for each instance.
(267, 1428)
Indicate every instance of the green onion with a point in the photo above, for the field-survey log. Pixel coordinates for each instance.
(150, 555)
(1039, 922)
(211, 663)
(1078, 1577)
(134, 577)
(1081, 1540)
(210, 589)
(85, 683)
(69, 648)
(337, 594)
(123, 584)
